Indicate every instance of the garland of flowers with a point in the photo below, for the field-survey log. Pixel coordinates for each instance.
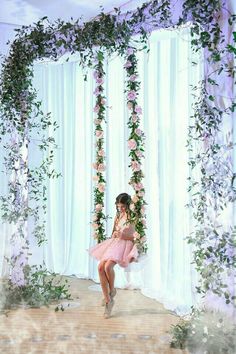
(19, 104)
(136, 147)
(99, 166)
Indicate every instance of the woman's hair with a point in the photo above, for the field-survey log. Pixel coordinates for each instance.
(125, 199)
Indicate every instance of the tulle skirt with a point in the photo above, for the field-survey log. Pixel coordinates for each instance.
(120, 251)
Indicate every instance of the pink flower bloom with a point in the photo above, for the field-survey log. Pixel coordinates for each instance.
(135, 198)
(98, 207)
(101, 153)
(132, 144)
(101, 187)
(143, 239)
(134, 118)
(95, 218)
(135, 166)
(103, 101)
(130, 105)
(99, 80)
(97, 91)
(132, 95)
(133, 78)
(101, 167)
(139, 132)
(95, 226)
(95, 178)
(95, 165)
(138, 153)
(99, 133)
(128, 64)
(96, 108)
(138, 186)
(143, 210)
(144, 222)
(136, 235)
(130, 51)
(97, 121)
(138, 109)
(132, 206)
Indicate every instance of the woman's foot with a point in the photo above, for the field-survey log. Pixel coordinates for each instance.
(112, 295)
(108, 308)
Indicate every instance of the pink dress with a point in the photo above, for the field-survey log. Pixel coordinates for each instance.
(120, 251)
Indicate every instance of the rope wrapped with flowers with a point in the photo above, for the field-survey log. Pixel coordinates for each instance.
(99, 165)
(136, 150)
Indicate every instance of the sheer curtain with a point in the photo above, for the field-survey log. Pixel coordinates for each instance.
(165, 73)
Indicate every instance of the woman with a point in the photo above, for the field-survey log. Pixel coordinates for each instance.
(119, 249)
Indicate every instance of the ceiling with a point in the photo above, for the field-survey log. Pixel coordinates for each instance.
(25, 12)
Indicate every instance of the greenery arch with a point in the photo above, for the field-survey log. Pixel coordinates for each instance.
(214, 190)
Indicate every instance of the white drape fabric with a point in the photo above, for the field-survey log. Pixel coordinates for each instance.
(166, 74)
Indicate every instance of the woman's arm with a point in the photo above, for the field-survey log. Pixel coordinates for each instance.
(127, 233)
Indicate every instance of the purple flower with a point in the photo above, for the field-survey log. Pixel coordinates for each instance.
(131, 95)
(138, 109)
(130, 51)
(99, 80)
(133, 78)
(128, 64)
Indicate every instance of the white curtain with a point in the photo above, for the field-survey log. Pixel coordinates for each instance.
(166, 74)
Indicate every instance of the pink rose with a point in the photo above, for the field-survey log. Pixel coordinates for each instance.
(130, 51)
(132, 95)
(99, 80)
(97, 91)
(94, 236)
(95, 165)
(143, 210)
(135, 198)
(138, 186)
(95, 226)
(95, 178)
(135, 166)
(132, 144)
(143, 239)
(128, 64)
(134, 118)
(132, 206)
(138, 109)
(101, 153)
(130, 105)
(138, 153)
(101, 167)
(99, 133)
(133, 77)
(96, 109)
(144, 222)
(97, 121)
(139, 132)
(101, 187)
(103, 101)
(98, 207)
(136, 235)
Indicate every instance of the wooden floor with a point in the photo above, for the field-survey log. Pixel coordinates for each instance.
(138, 325)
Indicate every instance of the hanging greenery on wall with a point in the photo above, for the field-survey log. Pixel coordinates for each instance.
(211, 181)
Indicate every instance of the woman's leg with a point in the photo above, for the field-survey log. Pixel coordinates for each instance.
(110, 273)
(104, 280)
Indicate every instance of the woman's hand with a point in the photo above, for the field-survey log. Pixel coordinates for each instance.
(116, 234)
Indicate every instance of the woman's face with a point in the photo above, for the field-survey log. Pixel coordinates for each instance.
(121, 207)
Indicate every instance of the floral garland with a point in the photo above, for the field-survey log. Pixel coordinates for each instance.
(99, 165)
(136, 147)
